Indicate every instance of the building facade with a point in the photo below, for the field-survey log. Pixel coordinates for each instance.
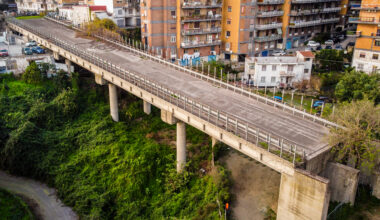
(184, 29)
(42, 5)
(281, 72)
(367, 47)
(125, 13)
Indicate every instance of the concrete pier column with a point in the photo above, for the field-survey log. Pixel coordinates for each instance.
(147, 107)
(68, 64)
(181, 146)
(213, 142)
(56, 55)
(113, 102)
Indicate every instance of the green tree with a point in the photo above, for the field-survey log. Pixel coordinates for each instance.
(330, 60)
(32, 74)
(358, 143)
(357, 85)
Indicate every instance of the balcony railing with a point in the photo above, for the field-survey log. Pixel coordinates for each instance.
(268, 26)
(287, 73)
(364, 20)
(354, 33)
(334, 9)
(268, 38)
(196, 4)
(312, 1)
(270, 2)
(367, 7)
(299, 24)
(305, 12)
(195, 44)
(198, 18)
(263, 14)
(201, 31)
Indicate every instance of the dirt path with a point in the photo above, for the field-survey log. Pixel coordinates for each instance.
(42, 199)
(255, 186)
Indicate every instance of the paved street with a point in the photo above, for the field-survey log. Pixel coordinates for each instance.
(302, 132)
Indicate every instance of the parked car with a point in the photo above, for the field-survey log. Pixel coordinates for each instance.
(318, 103)
(278, 98)
(31, 44)
(329, 42)
(313, 44)
(4, 53)
(328, 47)
(338, 47)
(27, 51)
(319, 48)
(341, 37)
(279, 53)
(38, 50)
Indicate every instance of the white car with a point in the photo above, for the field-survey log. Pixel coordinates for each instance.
(278, 53)
(313, 44)
(31, 44)
(329, 43)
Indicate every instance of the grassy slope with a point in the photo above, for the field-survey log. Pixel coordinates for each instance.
(29, 17)
(101, 168)
(12, 207)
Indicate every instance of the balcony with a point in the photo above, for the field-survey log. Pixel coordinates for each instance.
(268, 26)
(287, 73)
(354, 33)
(270, 2)
(201, 31)
(367, 8)
(329, 10)
(196, 44)
(199, 18)
(299, 24)
(268, 38)
(196, 4)
(363, 20)
(305, 12)
(312, 1)
(264, 14)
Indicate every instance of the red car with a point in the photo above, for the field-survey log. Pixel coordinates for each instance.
(4, 53)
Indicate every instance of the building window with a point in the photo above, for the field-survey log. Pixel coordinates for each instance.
(262, 79)
(251, 66)
(273, 79)
(290, 68)
(374, 69)
(274, 67)
(305, 70)
(197, 12)
(360, 66)
(375, 56)
(173, 39)
(172, 13)
(228, 21)
(377, 43)
(228, 33)
(229, 8)
(362, 55)
(264, 68)
(250, 34)
(196, 50)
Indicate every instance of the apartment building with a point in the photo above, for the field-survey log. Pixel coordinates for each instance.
(305, 18)
(367, 48)
(281, 71)
(125, 13)
(39, 5)
(349, 9)
(185, 29)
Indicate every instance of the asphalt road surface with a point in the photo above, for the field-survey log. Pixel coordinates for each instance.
(43, 198)
(302, 132)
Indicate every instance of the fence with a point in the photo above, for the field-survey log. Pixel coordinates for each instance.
(273, 143)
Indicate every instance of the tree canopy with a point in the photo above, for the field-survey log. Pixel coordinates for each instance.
(358, 85)
(32, 74)
(358, 143)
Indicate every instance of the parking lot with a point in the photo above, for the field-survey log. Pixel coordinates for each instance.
(16, 61)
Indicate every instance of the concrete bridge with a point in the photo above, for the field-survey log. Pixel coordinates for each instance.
(285, 139)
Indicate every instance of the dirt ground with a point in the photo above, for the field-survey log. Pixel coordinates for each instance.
(255, 187)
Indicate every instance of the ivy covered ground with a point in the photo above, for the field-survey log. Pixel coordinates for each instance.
(59, 131)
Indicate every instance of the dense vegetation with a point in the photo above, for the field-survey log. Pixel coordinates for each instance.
(12, 207)
(60, 132)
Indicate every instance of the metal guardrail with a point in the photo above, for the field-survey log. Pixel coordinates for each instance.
(262, 99)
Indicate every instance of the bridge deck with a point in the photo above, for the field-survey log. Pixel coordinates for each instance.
(302, 132)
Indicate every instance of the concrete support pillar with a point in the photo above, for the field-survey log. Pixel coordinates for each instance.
(147, 107)
(68, 64)
(181, 146)
(213, 142)
(113, 102)
(303, 196)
